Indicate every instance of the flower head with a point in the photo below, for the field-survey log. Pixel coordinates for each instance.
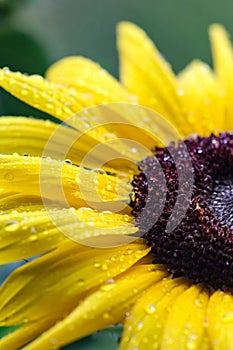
(114, 242)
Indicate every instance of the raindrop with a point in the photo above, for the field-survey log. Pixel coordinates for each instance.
(6, 70)
(191, 343)
(104, 267)
(9, 176)
(33, 229)
(108, 137)
(12, 225)
(198, 302)
(33, 238)
(228, 317)
(97, 265)
(150, 309)
(99, 171)
(106, 315)
(110, 280)
(68, 161)
(139, 326)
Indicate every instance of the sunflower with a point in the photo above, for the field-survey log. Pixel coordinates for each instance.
(107, 246)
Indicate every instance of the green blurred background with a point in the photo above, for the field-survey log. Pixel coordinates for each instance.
(35, 33)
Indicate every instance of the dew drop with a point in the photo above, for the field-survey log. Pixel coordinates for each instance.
(68, 161)
(33, 238)
(107, 287)
(97, 265)
(198, 303)
(33, 229)
(9, 176)
(106, 315)
(99, 171)
(191, 343)
(6, 70)
(150, 309)
(108, 137)
(12, 225)
(80, 282)
(110, 280)
(108, 187)
(228, 317)
(139, 326)
(180, 92)
(104, 267)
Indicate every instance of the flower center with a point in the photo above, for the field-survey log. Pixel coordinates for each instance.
(200, 246)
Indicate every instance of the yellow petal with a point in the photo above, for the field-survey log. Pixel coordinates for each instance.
(145, 72)
(24, 334)
(28, 135)
(59, 279)
(55, 99)
(201, 99)
(144, 325)
(59, 182)
(104, 307)
(184, 328)
(220, 321)
(28, 233)
(223, 65)
(89, 78)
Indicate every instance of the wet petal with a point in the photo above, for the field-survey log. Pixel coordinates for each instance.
(89, 78)
(28, 233)
(55, 99)
(144, 325)
(144, 72)
(184, 328)
(223, 65)
(201, 99)
(104, 307)
(220, 320)
(64, 275)
(30, 136)
(58, 182)
(68, 104)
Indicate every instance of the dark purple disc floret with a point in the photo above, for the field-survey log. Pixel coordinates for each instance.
(201, 244)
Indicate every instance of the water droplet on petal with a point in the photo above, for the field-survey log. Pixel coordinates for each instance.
(150, 309)
(97, 265)
(139, 326)
(106, 315)
(9, 176)
(33, 229)
(11, 225)
(68, 161)
(99, 171)
(228, 317)
(104, 267)
(108, 137)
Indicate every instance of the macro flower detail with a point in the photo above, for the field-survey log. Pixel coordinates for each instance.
(100, 225)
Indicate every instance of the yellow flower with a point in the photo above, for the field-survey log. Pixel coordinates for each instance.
(173, 292)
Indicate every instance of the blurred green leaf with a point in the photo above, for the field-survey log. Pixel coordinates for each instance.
(20, 52)
(6, 330)
(8, 6)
